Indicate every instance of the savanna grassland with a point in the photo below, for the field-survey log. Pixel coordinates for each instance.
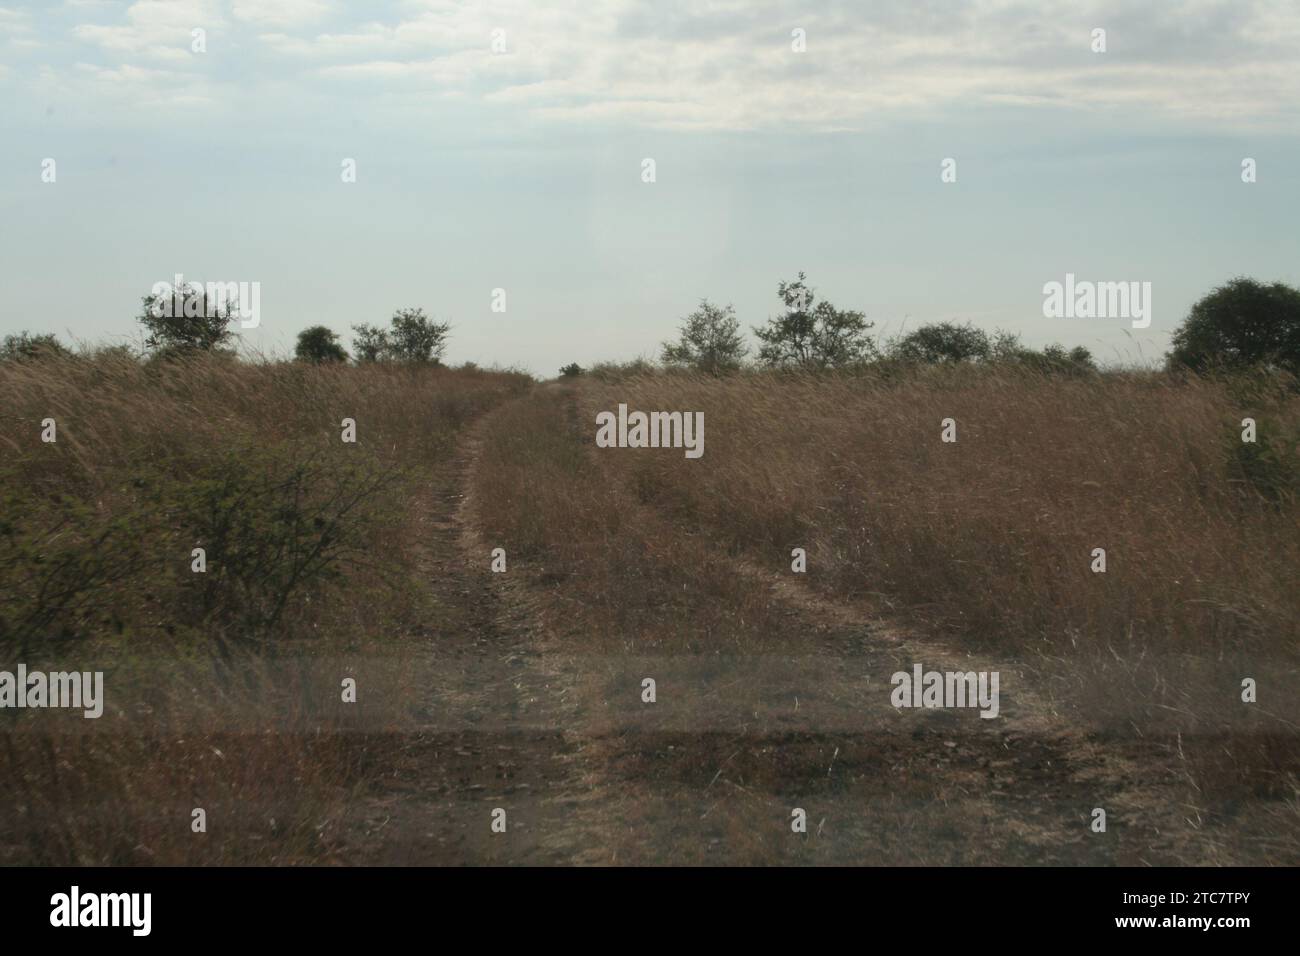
(222, 687)
(1125, 687)
(525, 690)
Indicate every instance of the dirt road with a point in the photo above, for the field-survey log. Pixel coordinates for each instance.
(524, 718)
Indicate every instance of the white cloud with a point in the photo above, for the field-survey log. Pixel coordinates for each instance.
(729, 65)
(14, 21)
(367, 40)
(126, 89)
(280, 13)
(156, 29)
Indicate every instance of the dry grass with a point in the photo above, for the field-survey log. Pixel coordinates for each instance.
(989, 540)
(628, 581)
(991, 536)
(222, 688)
(984, 544)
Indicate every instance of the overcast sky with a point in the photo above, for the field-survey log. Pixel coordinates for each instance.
(480, 169)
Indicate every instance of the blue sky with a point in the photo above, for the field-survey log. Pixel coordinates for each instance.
(521, 169)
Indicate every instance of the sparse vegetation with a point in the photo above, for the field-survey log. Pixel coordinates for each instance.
(414, 337)
(201, 531)
(319, 344)
(183, 321)
(943, 342)
(411, 337)
(709, 341)
(25, 347)
(221, 682)
(986, 544)
(370, 343)
(813, 335)
(1239, 324)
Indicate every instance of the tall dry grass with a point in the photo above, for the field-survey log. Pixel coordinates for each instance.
(223, 687)
(626, 583)
(983, 546)
(639, 560)
(991, 536)
(989, 540)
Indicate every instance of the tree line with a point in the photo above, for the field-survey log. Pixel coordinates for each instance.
(1242, 323)
(190, 324)
(1239, 324)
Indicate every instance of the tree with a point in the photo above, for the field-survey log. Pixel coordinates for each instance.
(416, 338)
(947, 342)
(709, 341)
(371, 343)
(1243, 322)
(1056, 358)
(25, 347)
(1081, 358)
(813, 337)
(1005, 346)
(183, 320)
(572, 370)
(319, 344)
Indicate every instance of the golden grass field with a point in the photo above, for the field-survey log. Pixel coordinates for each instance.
(217, 703)
(328, 558)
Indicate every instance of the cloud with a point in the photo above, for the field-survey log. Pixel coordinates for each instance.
(156, 29)
(14, 21)
(366, 40)
(126, 89)
(280, 13)
(731, 65)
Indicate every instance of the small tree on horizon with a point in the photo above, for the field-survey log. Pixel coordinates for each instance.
(411, 337)
(25, 347)
(709, 341)
(944, 342)
(370, 343)
(813, 336)
(1242, 322)
(182, 321)
(1056, 359)
(319, 344)
(414, 337)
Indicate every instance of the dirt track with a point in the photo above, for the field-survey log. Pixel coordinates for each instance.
(493, 732)
(521, 717)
